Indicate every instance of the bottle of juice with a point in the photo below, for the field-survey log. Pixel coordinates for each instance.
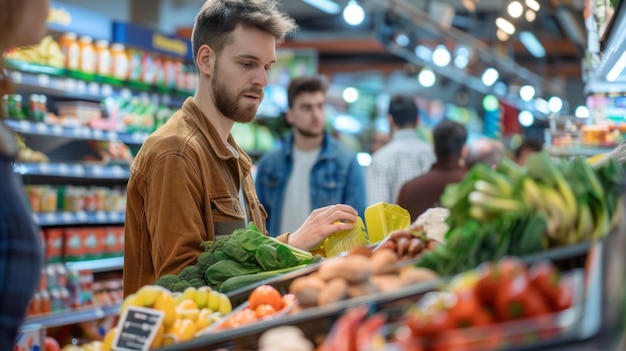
(71, 50)
(103, 58)
(87, 55)
(120, 61)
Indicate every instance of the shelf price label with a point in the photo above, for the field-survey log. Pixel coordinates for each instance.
(97, 171)
(81, 87)
(43, 80)
(117, 171)
(56, 129)
(78, 170)
(16, 77)
(114, 217)
(41, 128)
(44, 168)
(101, 217)
(81, 217)
(107, 90)
(137, 329)
(24, 126)
(63, 169)
(67, 218)
(93, 88)
(50, 218)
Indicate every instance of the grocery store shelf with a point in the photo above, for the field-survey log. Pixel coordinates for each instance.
(42, 83)
(81, 217)
(94, 171)
(43, 129)
(577, 151)
(101, 265)
(73, 316)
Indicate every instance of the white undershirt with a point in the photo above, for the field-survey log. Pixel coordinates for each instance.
(297, 199)
(242, 198)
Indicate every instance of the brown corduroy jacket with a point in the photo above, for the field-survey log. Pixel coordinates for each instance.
(183, 189)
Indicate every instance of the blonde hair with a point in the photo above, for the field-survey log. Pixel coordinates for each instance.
(217, 19)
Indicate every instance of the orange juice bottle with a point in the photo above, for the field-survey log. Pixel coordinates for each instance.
(103, 58)
(87, 55)
(71, 50)
(120, 61)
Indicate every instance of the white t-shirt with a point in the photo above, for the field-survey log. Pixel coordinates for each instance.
(297, 199)
(242, 198)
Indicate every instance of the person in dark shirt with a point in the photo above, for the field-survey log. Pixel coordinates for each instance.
(423, 192)
(528, 147)
(23, 22)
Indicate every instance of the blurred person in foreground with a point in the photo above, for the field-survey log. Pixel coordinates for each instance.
(191, 182)
(527, 148)
(313, 169)
(423, 192)
(23, 23)
(404, 157)
(484, 150)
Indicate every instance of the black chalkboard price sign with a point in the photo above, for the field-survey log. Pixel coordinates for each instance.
(137, 328)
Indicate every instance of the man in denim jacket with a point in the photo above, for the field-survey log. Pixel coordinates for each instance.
(313, 169)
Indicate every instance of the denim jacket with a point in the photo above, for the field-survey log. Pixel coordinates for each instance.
(336, 178)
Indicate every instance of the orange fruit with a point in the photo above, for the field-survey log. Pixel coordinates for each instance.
(264, 310)
(266, 295)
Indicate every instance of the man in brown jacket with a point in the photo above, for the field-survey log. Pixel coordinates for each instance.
(191, 182)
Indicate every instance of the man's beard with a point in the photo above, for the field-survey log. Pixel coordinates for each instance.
(227, 104)
(308, 134)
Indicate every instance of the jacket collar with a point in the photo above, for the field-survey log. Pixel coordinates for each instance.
(328, 150)
(191, 109)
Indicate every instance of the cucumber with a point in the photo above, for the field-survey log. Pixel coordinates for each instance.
(241, 281)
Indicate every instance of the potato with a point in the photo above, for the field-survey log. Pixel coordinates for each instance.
(331, 268)
(387, 282)
(384, 262)
(416, 246)
(336, 290)
(413, 275)
(355, 269)
(361, 250)
(307, 290)
(402, 246)
(362, 289)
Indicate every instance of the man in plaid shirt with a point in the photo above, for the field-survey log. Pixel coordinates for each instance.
(405, 157)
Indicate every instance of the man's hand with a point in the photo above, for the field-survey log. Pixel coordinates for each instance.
(321, 223)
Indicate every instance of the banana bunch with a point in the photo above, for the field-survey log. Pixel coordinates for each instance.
(46, 53)
(186, 314)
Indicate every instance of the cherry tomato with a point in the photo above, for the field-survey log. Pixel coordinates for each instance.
(492, 275)
(545, 278)
(452, 341)
(518, 299)
(264, 310)
(564, 298)
(468, 311)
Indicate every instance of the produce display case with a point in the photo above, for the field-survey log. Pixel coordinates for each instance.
(599, 322)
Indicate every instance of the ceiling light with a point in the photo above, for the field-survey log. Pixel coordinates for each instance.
(353, 13)
(532, 44)
(527, 92)
(555, 104)
(515, 9)
(499, 88)
(423, 52)
(617, 69)
(350, 95)
(327, 6)
(502, 36)
(526, 118)
(461, 61)
(505, 25)
(402, 39)
(533, 4)
(530, 15)
(542, 106)
(364, 159)
(427, 78)
(582, 112)
(441, 56)
(490, 76)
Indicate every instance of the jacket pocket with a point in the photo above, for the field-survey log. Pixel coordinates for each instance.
(227, 213)
(329, 189)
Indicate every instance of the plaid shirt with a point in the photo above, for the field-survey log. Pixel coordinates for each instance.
(405, 157)
(21, 254)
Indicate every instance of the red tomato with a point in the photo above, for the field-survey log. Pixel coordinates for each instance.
(492, 275)
(266, 294)
(468, 311)
(545, 278)
(452, 341)
(52, 344)
(564, 298)
(518, 299)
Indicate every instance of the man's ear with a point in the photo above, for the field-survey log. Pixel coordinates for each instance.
(289, 117)
(205, 60)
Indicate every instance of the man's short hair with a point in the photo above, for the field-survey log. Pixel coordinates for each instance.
(449, 137)
(217, 19)
(487, 151)
(305, 84)
(403, 111)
